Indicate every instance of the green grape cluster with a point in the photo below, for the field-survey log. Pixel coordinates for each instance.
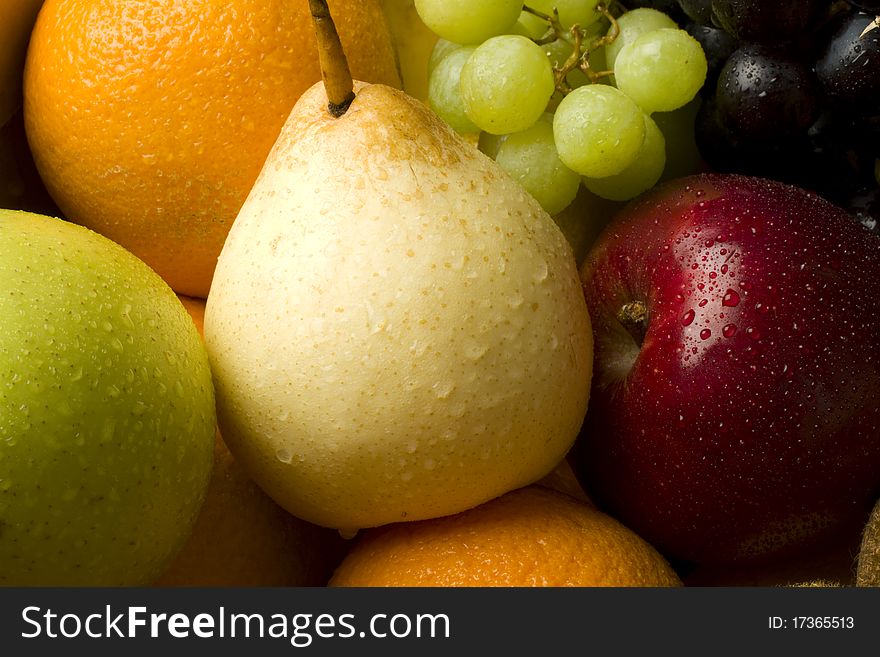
(561, 93)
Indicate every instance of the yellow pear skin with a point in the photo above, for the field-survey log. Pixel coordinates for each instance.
(397, 331)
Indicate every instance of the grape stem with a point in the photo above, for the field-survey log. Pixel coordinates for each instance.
(554, 27)
(334, 65)
(580, 55)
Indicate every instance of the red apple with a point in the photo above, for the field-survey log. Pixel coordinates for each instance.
(735, 406)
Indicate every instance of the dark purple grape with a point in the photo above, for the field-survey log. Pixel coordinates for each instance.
(699, 11)
(767, 21)
(841, 155)
(866, 5)
(727, 152)
(668, 7)
(718, 46)
(849, 66)
(764, 94)
(864, 205)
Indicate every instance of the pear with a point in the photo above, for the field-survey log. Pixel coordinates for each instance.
(397, 331)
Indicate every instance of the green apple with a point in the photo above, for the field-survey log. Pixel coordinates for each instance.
(106, 410)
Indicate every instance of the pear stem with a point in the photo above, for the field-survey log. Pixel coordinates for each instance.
(334, 65)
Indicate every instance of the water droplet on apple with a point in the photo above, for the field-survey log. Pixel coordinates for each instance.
(703, 303)
(284, 455)
(753, 333)
(730, 299)
(729, 330)
(688, 318)
(705, 334)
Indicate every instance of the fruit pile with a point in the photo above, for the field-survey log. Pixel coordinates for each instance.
(293, 327)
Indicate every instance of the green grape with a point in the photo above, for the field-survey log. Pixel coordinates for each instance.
(598, 60)
(530, 157)
(661, 70)
(489, 143)
(441, 48)
(639, 176)
(506, 84)
(557, 53)
(530, 26)
(634, 24)
(598, 130)
(682, 155)
(581, 12)
(468, 22)
(443, 90)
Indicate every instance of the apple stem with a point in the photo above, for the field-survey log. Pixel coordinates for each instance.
(634, 318)
(334, 65)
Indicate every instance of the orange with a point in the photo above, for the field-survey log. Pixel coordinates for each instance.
(149, 120)
(242, 538)
(532, 536)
